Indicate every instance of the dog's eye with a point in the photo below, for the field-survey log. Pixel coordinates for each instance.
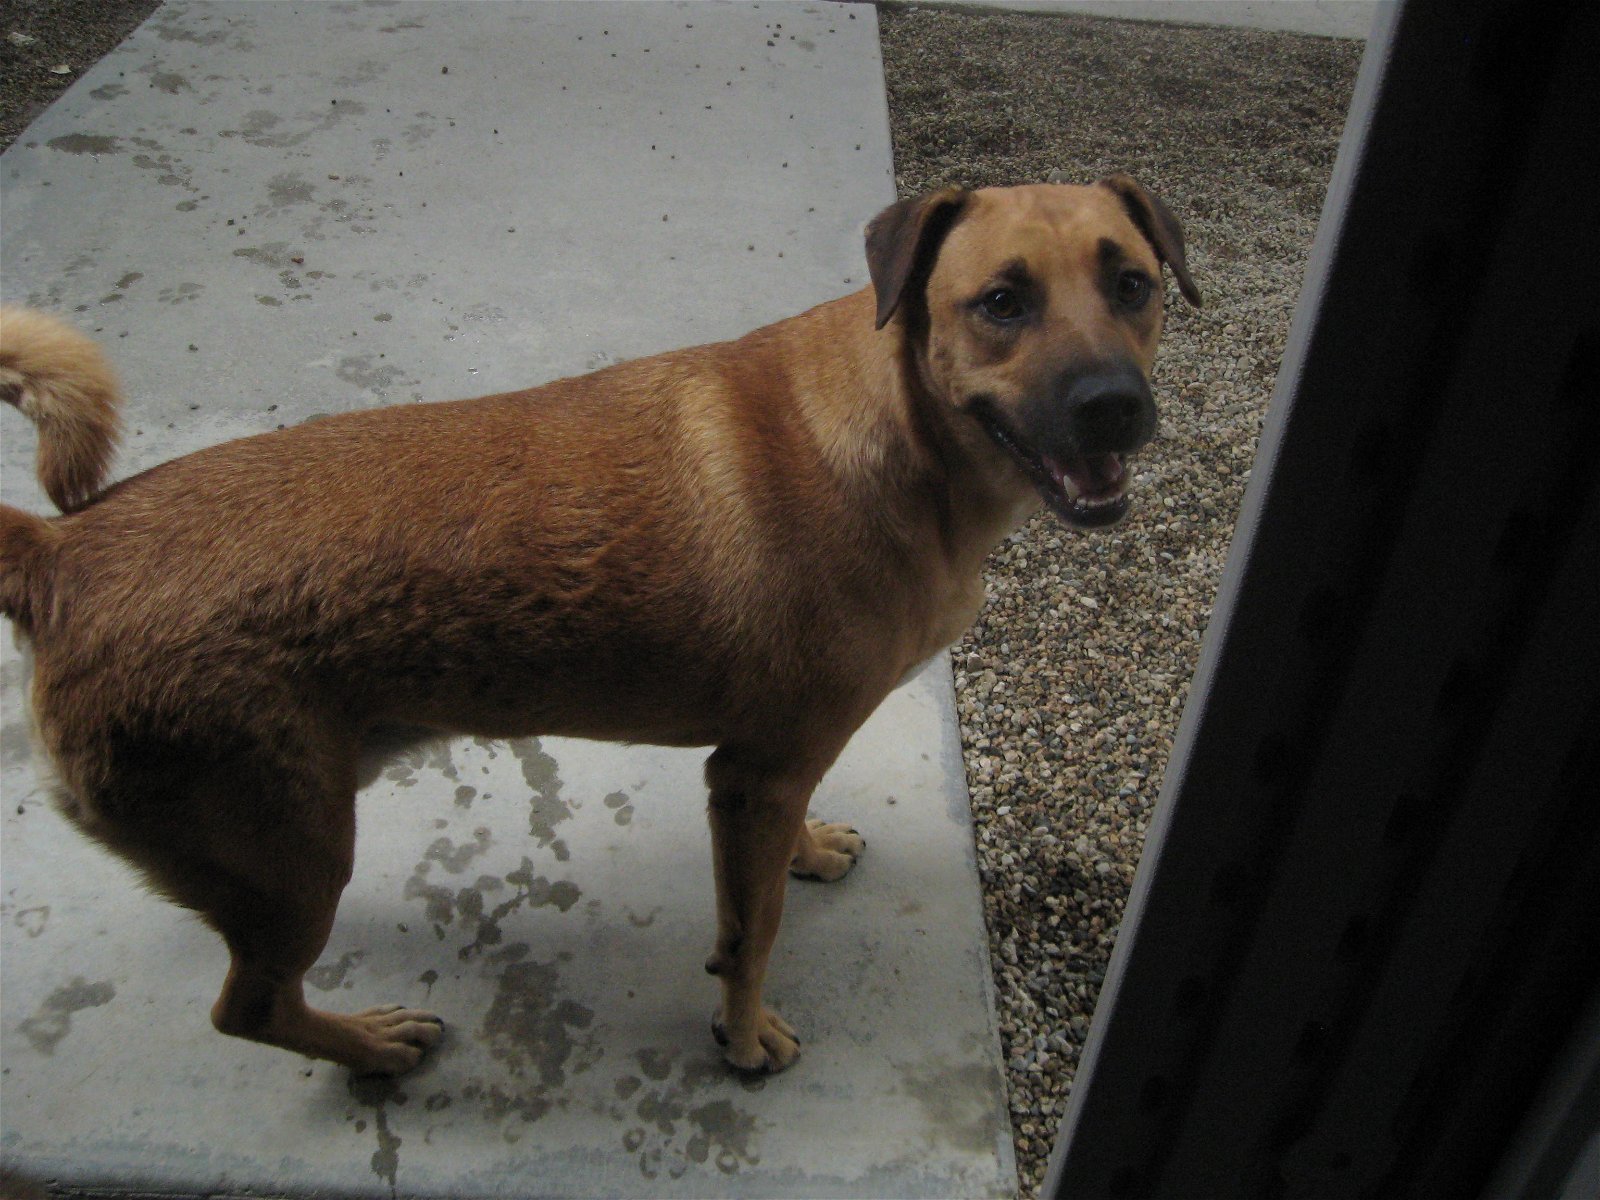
(1001, 304)
(1133, 289)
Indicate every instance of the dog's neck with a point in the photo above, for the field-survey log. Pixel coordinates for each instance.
(885, 436)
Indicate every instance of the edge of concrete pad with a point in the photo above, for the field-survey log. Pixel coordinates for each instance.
(1347, 19)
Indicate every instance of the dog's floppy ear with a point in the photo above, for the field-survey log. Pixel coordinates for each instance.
(1160, 228)
(902, 242)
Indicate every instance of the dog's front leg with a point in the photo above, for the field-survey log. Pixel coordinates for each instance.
(758, 811)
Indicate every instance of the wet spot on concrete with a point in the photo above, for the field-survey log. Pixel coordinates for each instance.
(173, 171)
(645, 921)
(170, 82)
(53, 1021)
(435, 755)
(128, 280)
(180, 293)
(439, 901)
(465, 795)
(676, 1131)
(530, 890)
(330, 976)
(263, 128)
(529, 1027)
(515, 952)
(286, 189)
(275, 255)
(455, 858)
(377, 1093)
(15, 743)
(109, 91)
(171, 31)
(438, 1102)
(656, 1064)
(269, 301)
(660, 1110)
(958, 1103)
(257, 127)
(618, 801)
(499, 1104)
(484, 312)
(363, 371)
(32, 921)
(546, 809)
(365, 71)
(725, 1132)
(85, 143)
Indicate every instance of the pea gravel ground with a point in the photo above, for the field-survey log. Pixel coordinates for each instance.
(1071, 683)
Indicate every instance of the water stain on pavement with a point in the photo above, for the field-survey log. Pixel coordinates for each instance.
(53, 1021)
(530, 1026)
(546, 809)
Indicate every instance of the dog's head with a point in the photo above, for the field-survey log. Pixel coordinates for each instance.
(1035, 312)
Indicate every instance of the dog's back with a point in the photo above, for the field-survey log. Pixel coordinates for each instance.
(521, 563)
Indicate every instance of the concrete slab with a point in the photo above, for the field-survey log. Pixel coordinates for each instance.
(271, 211)
(1323, 18)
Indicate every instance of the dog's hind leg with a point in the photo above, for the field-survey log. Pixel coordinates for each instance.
(262, 851)
(758, 810)
(275, 936)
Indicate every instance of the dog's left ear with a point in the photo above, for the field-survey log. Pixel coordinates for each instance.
(1160, 228)
(902, 242)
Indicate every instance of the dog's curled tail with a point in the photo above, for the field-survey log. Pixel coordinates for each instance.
(61, 381)
(58, 379)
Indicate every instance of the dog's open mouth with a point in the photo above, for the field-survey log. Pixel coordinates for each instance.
(1088, 490)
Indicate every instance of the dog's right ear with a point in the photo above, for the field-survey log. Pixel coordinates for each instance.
(902, 242)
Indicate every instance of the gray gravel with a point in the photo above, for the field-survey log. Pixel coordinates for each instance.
(1070, 685)
(46, 44)
(1072, 681)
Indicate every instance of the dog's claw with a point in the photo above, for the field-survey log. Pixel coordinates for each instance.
(396, 1038)
(826, 852)
(775, 1045)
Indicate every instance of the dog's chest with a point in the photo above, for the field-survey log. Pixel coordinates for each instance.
(956, 608)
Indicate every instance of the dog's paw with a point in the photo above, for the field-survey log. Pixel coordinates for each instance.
(826, 852)
(770, 1047)
(394, 1038)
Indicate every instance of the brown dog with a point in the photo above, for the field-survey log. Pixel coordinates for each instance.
(743, 545)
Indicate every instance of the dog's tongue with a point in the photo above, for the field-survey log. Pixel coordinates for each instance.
(1093, 475)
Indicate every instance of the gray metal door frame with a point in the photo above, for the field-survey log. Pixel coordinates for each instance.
(1364, 938)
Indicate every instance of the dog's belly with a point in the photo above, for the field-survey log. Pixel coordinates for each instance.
(622, 691)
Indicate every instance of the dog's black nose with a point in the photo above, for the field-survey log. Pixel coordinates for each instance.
(1109, 411)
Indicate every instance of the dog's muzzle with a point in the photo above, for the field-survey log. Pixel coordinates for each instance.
(1074, 445)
